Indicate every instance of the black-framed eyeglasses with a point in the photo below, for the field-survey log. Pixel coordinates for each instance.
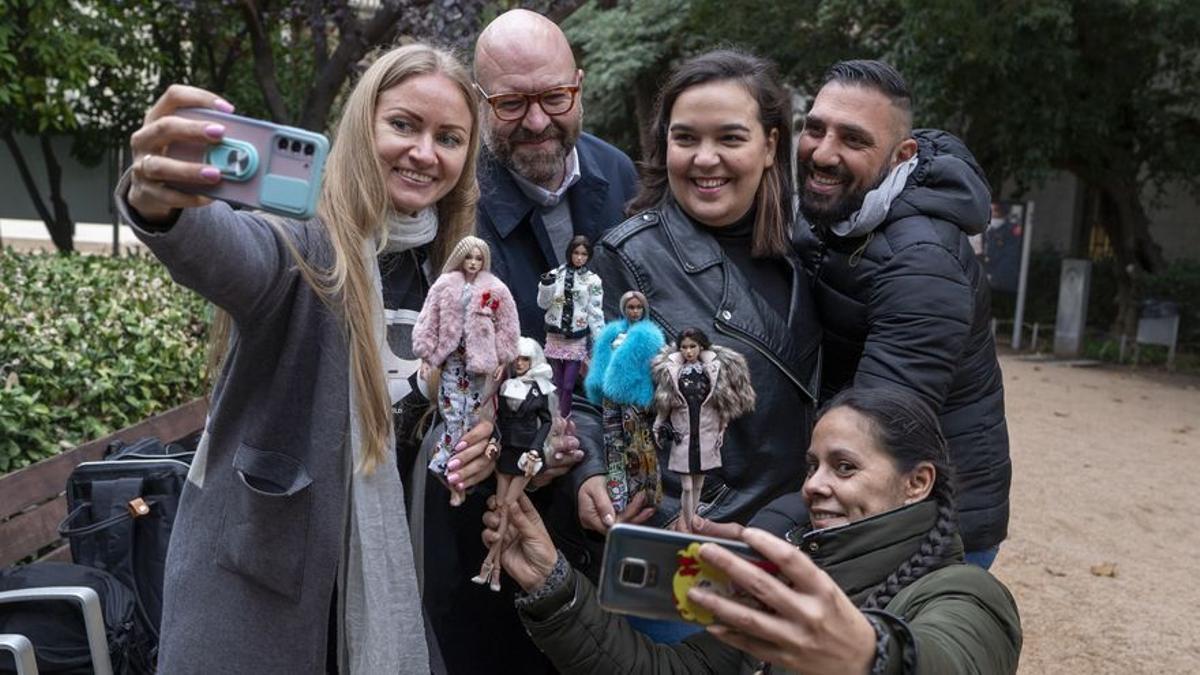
(554, 101)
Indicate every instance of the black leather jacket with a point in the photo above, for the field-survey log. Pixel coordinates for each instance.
(688, 281)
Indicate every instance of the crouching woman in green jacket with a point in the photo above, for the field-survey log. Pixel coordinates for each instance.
(872, 577)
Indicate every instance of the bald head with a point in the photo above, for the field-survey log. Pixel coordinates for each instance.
(521, 41)
(523, 52)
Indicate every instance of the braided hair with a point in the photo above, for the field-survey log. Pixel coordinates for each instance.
(905, 427)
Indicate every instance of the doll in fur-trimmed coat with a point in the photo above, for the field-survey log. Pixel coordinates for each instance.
(619, 381)
(699, 388)
(465, 335)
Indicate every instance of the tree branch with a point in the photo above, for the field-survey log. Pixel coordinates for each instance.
(354, 41)
(35, 194)
(264, 62)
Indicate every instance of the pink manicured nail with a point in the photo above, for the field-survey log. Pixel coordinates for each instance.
(462, 445)
(558, 455)
(214, 131)
(461, 487)
(453, 478)
(454, 464)
(223, 105)
(211, 173)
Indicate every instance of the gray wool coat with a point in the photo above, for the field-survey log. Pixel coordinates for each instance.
(259, 533)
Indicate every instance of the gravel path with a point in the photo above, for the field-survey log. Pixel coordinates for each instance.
(1106, 480)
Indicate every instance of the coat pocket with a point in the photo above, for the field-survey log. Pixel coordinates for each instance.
(264, 530)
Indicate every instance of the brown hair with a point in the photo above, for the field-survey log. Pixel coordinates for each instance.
(773, 202)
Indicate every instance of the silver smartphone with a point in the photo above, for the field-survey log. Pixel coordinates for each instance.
(647, 572)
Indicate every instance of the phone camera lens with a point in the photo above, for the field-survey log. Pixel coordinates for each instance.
(633, 573)
(283, 144)
(295, 146)
(308, 149)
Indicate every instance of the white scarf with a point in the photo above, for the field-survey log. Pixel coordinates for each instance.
(384, 627)
(517, 388)
(405, 231)
(877, 203)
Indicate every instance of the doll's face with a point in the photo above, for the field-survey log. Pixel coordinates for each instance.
(579, 256)
(473, 262)
(634, 309)
(690, 350)
(521, 365)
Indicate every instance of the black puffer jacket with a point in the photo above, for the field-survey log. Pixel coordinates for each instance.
(688, 281)
(909, 305)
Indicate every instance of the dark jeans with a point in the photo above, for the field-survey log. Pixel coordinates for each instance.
(982, 558)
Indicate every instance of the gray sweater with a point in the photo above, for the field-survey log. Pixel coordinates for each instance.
(262, 524)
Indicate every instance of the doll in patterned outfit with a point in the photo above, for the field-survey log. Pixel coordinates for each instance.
(465, 335)
(573, 298)
(523, 416)
(619, 381)
(699, 388)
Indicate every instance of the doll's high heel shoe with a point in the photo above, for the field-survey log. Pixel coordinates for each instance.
(494, 583)
(485, 574)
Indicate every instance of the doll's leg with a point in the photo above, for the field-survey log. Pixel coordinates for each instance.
(686, 505)
(492, 560)
(516, 485)
(567, 387)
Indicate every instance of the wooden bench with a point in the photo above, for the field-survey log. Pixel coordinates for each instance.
(32, 500)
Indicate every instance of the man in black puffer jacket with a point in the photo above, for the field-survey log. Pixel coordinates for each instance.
(900, 296)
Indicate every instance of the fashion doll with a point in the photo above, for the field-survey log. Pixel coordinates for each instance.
(572, 296)
(465, 334)
(619, 381)
(523, 417)
(699, 388)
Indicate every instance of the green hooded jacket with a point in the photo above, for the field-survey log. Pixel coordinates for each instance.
(957, 619)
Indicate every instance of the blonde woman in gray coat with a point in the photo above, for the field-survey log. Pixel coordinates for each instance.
(295, 490)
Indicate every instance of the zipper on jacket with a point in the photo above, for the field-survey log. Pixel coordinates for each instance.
(732, 331)
(122, 462)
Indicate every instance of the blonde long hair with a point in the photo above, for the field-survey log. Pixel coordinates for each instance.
(353, 207)
(454, 261)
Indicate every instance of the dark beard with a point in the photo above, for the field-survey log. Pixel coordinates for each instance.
(824, 216)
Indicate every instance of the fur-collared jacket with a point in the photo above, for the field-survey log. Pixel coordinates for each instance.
(489, 326)
(576, 312)
(730, 396)
(622, 375)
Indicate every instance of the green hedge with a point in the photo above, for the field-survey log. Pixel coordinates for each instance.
(88, 345)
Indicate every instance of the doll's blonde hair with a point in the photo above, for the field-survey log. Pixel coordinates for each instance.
(354, 206)
(458, 254)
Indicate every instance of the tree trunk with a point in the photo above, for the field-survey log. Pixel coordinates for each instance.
(59, 223)
(645, 89)
(1124, 220)
(62, 232)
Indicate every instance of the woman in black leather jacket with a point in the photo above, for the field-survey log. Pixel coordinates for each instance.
(709, 246)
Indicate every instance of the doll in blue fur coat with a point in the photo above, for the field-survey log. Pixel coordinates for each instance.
(620, 381)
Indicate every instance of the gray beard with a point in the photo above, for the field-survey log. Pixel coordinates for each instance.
(543, 168)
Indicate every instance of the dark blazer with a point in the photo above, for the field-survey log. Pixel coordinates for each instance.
(523, 429)
(908, 305)
(688, 281)
(512, 224)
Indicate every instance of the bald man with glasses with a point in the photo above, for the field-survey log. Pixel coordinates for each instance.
(542, 180)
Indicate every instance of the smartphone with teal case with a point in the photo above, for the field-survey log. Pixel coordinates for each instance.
(647, 572)
(263, 165)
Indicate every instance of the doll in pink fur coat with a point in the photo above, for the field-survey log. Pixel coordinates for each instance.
(465, 335)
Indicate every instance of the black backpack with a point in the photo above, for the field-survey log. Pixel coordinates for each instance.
(56, 627)
(120, 514)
